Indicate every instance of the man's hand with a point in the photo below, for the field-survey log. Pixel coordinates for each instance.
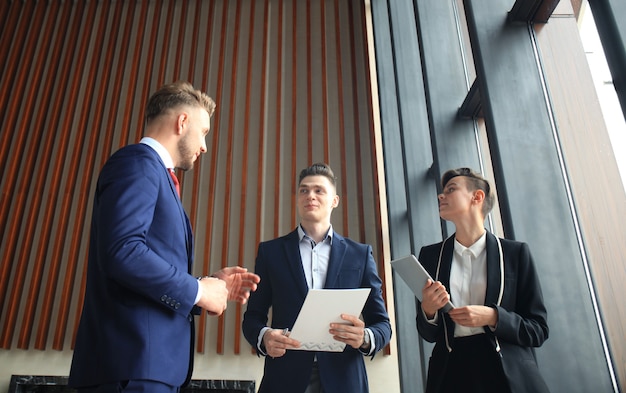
(214, 295)
(239, 282)
(434, 296)
(276, 343)
(352, 333)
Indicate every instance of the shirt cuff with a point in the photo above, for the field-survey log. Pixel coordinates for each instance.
(433, 321)
(198, 293)
(259, 341)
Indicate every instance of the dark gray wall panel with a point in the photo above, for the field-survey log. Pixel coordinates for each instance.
(422, 83)
(408, 157)
(533, 195)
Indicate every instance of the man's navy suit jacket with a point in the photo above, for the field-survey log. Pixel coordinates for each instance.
(283, 287)
(522, 316)
(136, 321)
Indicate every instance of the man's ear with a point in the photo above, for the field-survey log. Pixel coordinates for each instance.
(181, 122)
(335, 201)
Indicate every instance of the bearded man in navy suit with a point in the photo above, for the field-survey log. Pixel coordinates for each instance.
(137, 328)
(313, 256)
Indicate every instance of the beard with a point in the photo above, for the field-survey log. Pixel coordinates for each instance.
(186, 155)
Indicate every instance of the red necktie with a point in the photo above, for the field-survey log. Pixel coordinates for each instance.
(175, 180)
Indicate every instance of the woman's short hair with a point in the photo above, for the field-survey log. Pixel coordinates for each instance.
(475, 181)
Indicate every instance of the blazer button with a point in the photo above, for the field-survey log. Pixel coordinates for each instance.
(163, 298)
(177, 306)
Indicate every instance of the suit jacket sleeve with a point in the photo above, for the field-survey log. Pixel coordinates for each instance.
(256, 315)
(132, 214)
(522, 315)
(429, 332)
(374, 312)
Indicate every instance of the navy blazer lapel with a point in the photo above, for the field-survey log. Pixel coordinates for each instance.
(184, 218)
(291, 247)
(179, 206)
(337, 253)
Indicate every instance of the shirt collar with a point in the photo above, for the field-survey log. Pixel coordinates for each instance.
(329, 234)
(476, 249)
(160, 149)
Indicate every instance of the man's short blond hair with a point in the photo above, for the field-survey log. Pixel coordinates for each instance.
(174, 95)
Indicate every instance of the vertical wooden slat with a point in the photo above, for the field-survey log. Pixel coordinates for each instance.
(182, 25)
(278, 131)
(194, 43)
(294, 109)
(213, 173)
(23, 149)
(262, 110)
(133, 76)
(193, 211)
(229, 164)
(324, 82)
(167, 36)
(150, 64)
(309, 87)
(260, 174)
(206, 256)
(342, 128)
(244, 166)
(357, 120)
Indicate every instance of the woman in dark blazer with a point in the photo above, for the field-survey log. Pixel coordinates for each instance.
(485, 343)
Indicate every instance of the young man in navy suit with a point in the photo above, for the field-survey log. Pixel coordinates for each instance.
(137, 329)
(485, 344)
(313, 256)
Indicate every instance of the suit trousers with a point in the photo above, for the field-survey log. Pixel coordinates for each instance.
(315, 386)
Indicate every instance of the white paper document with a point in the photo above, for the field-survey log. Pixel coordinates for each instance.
(321, 308)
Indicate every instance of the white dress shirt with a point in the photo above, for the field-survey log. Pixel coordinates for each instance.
(468, 279)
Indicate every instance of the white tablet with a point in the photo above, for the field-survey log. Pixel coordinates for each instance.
(414, 275)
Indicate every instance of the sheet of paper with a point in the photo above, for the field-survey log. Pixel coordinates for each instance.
(322, 307)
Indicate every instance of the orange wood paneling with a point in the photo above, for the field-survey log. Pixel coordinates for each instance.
(288, 78)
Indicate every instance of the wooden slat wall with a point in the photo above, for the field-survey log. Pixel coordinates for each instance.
(291, 82)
